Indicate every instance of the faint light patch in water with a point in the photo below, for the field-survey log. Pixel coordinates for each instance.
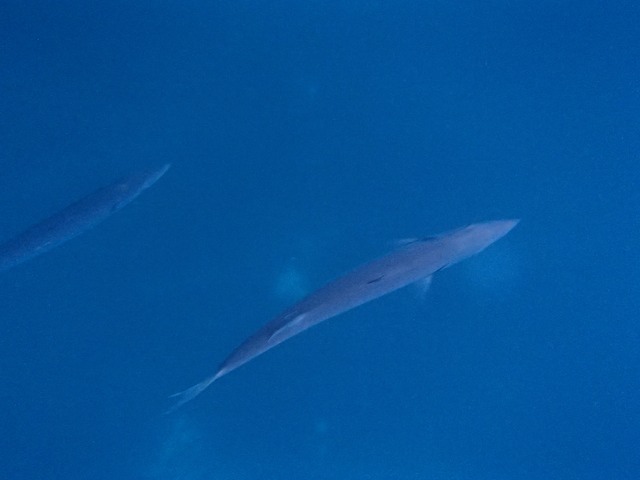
(321, 427)
(321, 439)
(305, 88)
(494, 273)
(186, 453)
(291, 285)
(178, 455)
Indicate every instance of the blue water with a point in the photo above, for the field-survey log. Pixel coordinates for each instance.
(305, 138)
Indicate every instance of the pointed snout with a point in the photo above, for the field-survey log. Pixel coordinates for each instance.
(501, 227)
(479, 236)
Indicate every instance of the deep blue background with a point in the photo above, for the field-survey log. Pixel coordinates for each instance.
(305, 137)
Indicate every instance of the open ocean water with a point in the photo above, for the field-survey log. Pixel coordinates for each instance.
(306, 137)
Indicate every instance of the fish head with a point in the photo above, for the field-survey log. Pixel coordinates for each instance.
(476, 237)
(129, 187)
(145, 179)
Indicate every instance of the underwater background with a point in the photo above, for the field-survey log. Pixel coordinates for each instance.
(306, 138)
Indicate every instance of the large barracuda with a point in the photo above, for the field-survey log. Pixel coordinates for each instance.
(415, 261)
(76, 218)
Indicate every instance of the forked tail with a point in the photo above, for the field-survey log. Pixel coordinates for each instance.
(189, 394)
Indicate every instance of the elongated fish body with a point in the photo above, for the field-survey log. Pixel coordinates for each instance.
(415, 261)
(76, 218)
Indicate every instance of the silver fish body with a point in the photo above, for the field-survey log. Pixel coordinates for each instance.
(414, 261)
(76, 218)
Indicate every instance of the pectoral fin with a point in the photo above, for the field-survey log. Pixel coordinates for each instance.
(424, 285)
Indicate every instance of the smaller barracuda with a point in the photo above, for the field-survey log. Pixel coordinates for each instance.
(415, 261)
(76, 218)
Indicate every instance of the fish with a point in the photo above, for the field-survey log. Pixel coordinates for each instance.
(415, 261)
(76, 218)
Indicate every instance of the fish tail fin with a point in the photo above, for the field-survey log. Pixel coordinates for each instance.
(189, 394)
